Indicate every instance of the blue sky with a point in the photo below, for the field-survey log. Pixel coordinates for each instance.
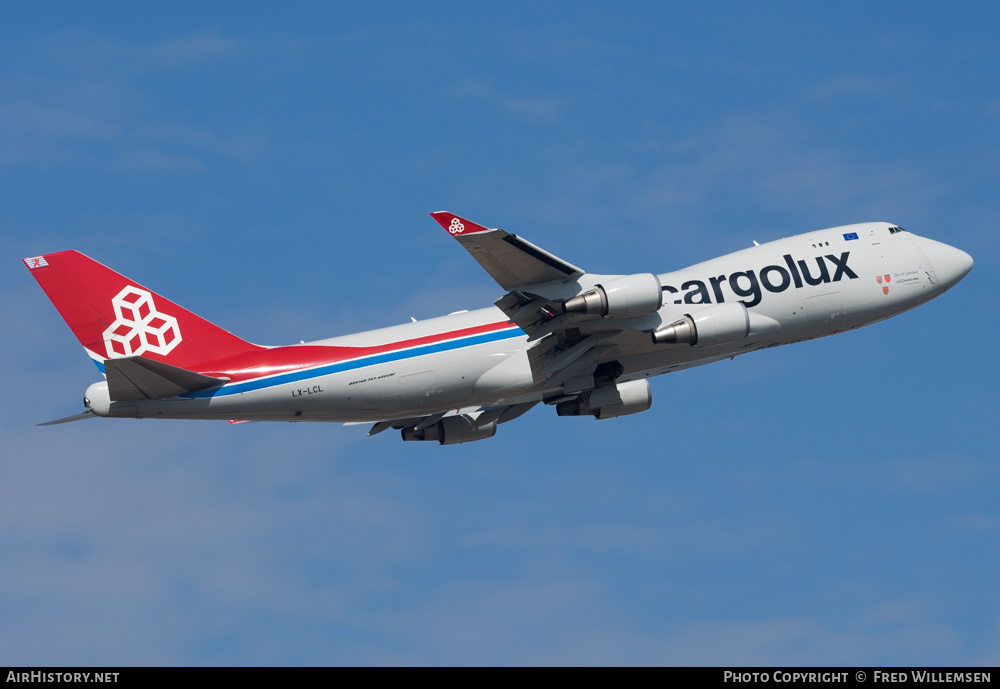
(831, 502)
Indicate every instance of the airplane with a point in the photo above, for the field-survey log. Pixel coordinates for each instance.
(584, 343)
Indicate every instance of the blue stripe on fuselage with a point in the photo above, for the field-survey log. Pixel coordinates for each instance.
(296, 376)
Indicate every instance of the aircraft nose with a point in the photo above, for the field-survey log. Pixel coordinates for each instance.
(950, 264)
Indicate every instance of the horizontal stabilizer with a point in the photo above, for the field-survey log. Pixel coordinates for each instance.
(137, 378)
(66, 419)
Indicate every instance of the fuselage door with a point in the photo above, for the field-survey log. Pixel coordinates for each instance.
(825, 309)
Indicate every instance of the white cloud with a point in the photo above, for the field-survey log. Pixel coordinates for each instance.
(534, 108)
(778, 160)
(850, 86)
(87, 104)
(934, 474)
(146, 159)
(192, 48)
(538, 108)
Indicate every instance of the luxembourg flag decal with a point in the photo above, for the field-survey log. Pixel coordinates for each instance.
(36, 262)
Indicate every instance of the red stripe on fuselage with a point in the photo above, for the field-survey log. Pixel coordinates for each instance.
(267, 362)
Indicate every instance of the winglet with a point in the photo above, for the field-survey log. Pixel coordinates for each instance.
(455, 225)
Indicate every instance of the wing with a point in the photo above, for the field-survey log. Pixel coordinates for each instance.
(521, 268)
(552, 301)
(511, 261)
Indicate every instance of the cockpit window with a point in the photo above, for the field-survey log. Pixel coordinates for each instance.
(894, 230)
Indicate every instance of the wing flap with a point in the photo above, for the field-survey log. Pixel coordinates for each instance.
(136, 378)
(481, 416)
(515, 410)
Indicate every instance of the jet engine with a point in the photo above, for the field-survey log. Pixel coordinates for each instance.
(452, 430)
(629, 295)
(712, 325)
(610, 401)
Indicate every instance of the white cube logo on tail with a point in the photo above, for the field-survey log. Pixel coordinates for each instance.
(139, 327)
(456, 226)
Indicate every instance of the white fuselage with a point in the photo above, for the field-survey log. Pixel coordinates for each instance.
(797, 288)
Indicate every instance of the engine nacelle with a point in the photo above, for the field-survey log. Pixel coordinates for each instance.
(629, 295)
(712, 325)
(610, 401)
(452, 430)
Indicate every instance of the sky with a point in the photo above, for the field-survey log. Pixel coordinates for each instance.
(271, 168)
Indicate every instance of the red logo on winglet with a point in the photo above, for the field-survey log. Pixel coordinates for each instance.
(455, 225)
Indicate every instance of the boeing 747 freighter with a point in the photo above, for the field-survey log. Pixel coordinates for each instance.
(583, 343)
